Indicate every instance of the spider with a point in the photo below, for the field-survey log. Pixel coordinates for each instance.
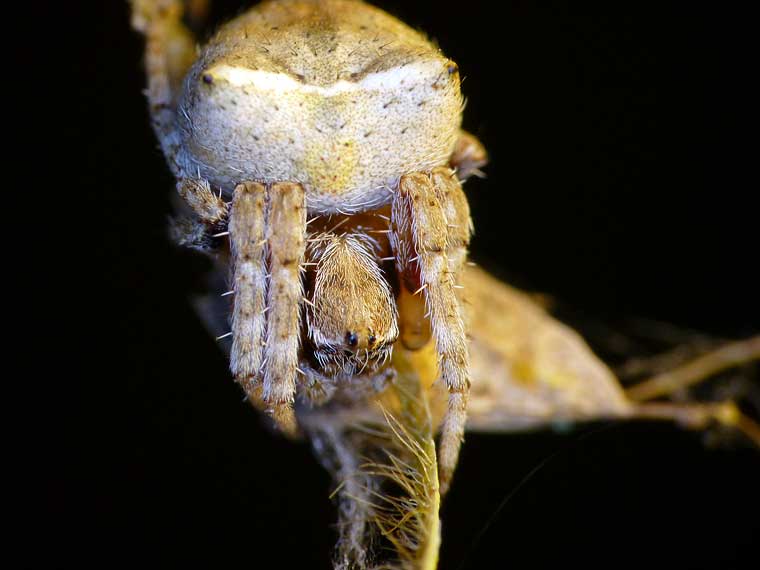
(294, 113)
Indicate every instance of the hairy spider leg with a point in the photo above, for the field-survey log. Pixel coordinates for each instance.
(429, 253)
(267, 240)
(169, 53)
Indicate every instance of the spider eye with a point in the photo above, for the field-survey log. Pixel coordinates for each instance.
(352, 339)
(372, 339)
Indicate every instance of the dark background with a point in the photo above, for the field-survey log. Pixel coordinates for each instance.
(618, 184)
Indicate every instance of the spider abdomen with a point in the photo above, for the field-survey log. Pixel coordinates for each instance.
(344, 105)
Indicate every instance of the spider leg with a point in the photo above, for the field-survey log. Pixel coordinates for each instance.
(197, 193)
(169, 53)
(190, 232)
(267, 227)
(415, 327)
(459, 228)
(202, 228)
(430, 250)
(286, 229)
(468, 157)
(247, 246)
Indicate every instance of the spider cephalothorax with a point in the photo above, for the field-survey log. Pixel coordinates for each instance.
(301, 108)
(351, 317)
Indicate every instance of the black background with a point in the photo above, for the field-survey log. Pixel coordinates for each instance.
(618, 183)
